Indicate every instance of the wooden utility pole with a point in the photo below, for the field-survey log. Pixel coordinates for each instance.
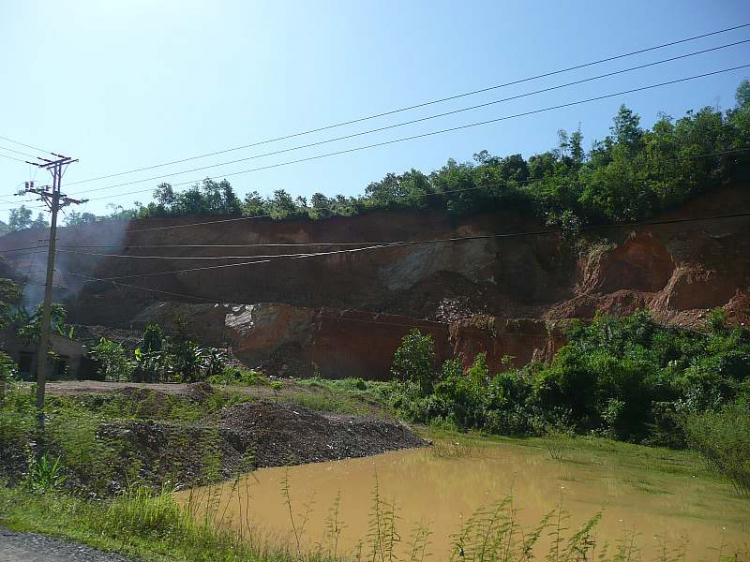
(55, 200)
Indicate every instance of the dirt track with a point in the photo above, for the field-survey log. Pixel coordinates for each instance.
(97, 387)
(32, 547)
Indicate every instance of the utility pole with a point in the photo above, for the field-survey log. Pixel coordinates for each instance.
(55, 200)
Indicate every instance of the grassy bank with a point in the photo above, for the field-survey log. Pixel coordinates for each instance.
(138, 524)
(146, 521)
(151, 525)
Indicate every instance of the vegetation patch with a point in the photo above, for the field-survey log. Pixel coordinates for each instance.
(624, 378)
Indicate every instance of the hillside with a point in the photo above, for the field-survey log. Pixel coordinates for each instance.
(346, 312)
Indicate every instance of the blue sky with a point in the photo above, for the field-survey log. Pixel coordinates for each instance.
(125, 84)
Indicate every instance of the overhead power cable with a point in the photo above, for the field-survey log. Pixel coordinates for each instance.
(19, 249)
(409, 243)
(36, 147)
(95, 279)
(12, 158)
(256, 245)
(422, 104)
(198, 258)
(424, 135)
(425, 324)
(413, 121)
(17, 152)
(447, 130)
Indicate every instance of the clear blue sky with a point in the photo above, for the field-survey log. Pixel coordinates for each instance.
(124, 84)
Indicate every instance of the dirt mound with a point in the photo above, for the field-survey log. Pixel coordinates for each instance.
(281, 434)
(233, 441)
(199, 391)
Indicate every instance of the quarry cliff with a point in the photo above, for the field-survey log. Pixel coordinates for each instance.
(510, 292)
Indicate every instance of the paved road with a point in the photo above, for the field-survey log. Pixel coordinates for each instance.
(31, 547)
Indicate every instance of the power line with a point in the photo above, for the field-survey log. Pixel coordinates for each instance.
(257, 245)
(95, 279)
(20, 249)
(48, 152)
(408, 243)
(423, 104)
(17, 152)
(414, 121)
(426, 324)
(424, 135)
(13, 158)
(443, 131)
(193, 258)
(20, 202)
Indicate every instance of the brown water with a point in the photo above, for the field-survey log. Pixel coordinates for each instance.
(440, 491)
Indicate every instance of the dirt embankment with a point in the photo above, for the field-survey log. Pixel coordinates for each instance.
(250, 435)
(155, 448)
(343, 314)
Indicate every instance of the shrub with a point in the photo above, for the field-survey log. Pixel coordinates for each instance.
(238, 377)
(722, 437)
(113, 360)
(45, 474)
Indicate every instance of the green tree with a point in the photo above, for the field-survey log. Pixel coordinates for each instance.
(231, 204)
(577, 153)
(40, 222)
(29, 325)
(321, 206)
(76, 219)
(282, 205)
(742, 95)
(20, 218)
(414, 361)
(165, 196)
(626, 129)
(254, 205)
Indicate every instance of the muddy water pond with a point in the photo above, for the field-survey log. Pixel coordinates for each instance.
(440, 488)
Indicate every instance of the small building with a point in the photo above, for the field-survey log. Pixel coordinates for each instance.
(68, 360)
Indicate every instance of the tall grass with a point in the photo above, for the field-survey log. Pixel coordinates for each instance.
(722, 437)
(151, 524)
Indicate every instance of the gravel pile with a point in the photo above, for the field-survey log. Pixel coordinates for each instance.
(281, 434)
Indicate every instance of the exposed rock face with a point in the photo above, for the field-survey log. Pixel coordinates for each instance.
(300, 341)
(641, 263)
(346, 312)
